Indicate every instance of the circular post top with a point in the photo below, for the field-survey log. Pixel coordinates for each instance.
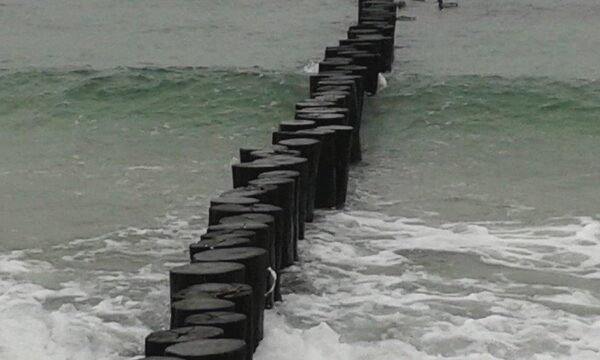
(214, 318)
(279, 173)
(203, 303)
(206, 348)
(299, 142)
(233, 254)
(256, 217)
(183, 334)
(202, 268)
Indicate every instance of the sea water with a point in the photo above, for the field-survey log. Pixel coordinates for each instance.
(472, 229)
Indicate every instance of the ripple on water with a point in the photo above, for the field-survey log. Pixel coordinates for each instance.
(458, 290)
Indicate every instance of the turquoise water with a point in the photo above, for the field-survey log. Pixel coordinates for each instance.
(91, 151)
(472, 227)
(486, 148)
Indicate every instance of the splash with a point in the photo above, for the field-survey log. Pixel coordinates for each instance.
(372, 286)
(381, 82)
(312, 67)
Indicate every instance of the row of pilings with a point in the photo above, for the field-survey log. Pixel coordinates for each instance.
(218, 300)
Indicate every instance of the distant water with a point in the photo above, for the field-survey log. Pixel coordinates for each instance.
(472, 230)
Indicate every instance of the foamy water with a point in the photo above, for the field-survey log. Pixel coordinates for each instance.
(375, 287)
(74, 308)
(368, 286)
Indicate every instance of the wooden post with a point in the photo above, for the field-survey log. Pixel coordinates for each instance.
(157, 342)
(256, 262)
(214, 349)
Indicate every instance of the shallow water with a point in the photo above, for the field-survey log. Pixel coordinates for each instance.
(472, 230)
(87, 152)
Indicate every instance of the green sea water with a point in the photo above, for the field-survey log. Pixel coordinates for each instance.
(87, 151)
(485, 147)
(87, 144)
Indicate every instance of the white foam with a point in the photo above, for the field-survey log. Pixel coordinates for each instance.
(374, 287)
(368, 287)
(381, 82)
(31, 329)
(99, 303)
(312, 67)
(569, 246)
(321, 342)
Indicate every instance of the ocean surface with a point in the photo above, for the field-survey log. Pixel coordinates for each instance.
(473, 224)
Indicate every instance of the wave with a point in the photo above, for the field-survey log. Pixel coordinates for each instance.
(93, 298)
(373, 286)
(369, 285)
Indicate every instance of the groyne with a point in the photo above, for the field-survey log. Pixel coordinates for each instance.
(218, 299)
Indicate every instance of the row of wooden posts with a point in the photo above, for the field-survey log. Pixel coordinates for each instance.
(218, 300)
